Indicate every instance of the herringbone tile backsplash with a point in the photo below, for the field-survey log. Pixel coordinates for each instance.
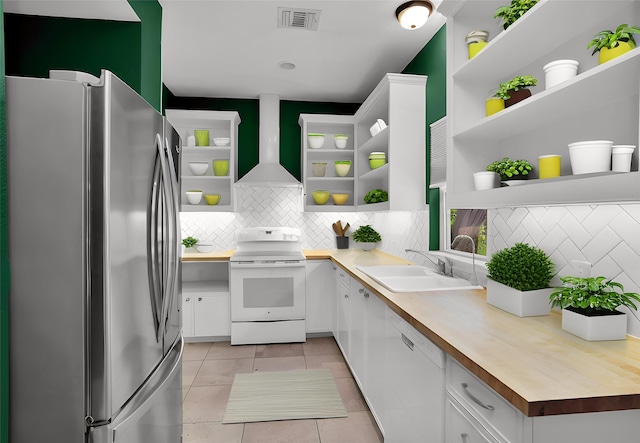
(607, 236)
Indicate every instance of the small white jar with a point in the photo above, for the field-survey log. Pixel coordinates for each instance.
(486, 180)
(559, 71)
(621, 157)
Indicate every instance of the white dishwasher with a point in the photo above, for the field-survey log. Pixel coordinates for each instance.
(414, 394)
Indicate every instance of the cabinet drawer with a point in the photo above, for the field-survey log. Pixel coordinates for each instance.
(482, 401)
(342, 277)
(462, 428)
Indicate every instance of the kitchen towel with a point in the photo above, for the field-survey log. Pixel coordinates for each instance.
(283, 395)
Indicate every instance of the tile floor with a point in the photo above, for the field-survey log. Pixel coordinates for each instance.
(208, 371)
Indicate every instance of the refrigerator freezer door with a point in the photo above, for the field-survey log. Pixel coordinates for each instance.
(154, 414)
(47, 212)
(124, 348)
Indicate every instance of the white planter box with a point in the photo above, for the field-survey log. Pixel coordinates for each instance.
(520, 303)
(606, 327)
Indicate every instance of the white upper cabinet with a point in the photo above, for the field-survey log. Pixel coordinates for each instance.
(220, 124)
(600, 103)
(399, 101)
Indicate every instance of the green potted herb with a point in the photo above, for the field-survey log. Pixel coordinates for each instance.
(509, 14)
(189, 242)
(516, 89)
(366, 236)
(518, 280)
(589, 307)
(612, 44)
(376, 196)
(510, 169)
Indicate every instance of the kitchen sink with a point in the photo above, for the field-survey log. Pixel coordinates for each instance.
(414, 278)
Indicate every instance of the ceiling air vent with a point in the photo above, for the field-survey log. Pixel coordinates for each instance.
(298, 18)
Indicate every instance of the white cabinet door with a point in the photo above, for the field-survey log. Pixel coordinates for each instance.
(375, 357)
(358, 312)
(187, 315)
(414, 385)
(343, 320)
(211, 315)
(320, 304)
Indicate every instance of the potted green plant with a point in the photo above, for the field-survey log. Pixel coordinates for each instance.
(612, 44)
(189, 242)
(516, 89)
(509, 14)
(366, 236)
(518, 280)
(589, 307)
(510, 169)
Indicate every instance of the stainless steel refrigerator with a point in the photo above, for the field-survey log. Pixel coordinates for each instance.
(95, 324)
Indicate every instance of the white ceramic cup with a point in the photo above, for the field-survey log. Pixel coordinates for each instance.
(590, 156)
(486, 180)
(559, 71)
(621, 157)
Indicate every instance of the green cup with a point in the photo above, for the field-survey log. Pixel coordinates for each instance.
(202, 137)
(221, 167)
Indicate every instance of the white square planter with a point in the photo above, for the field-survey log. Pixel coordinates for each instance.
(604, 327)
(520, 303)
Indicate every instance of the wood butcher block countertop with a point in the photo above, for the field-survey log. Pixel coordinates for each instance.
(534, 364)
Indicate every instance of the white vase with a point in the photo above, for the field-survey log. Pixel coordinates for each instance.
(559, 71)
(367, 246)
(621, 157)
(604, 327)
(520, 303)
(486, 180)
(590, 156)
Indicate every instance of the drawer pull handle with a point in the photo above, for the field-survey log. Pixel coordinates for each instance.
(366, 295)
(199, 298)
(407, 342)
(188, 299)
(361, 290)
(346, 295)
(475, 400)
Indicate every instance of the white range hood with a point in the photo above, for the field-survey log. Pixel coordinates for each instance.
(269, 171)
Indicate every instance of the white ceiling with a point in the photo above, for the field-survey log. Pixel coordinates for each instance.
(231, 48)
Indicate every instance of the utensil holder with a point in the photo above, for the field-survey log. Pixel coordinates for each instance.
(342, 242)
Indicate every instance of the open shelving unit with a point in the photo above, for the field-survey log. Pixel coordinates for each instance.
(601, 103)
(219, 124)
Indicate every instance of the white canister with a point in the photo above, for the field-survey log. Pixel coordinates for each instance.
(559, 71)
(621, 157)
(486, 180)
(590, 156)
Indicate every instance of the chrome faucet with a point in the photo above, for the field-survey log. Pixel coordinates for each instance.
(441, 264)
(473, 253)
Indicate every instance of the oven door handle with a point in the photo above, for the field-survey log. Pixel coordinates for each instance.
(266, 264)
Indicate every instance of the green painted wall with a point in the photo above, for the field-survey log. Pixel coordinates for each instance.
(34, 45)
(131, 50)
(248, 131)
(150, 14)
(432, 61)
(4, 256)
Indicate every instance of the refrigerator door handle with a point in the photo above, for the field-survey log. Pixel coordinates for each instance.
(169, 199)
(155, 280)
(174, 232)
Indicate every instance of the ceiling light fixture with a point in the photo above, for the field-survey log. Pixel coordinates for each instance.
(288, 66)
(413, 15)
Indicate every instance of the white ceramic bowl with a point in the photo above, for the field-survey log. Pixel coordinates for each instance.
(590, 156)
(340, 140)
(198, 168)
(204, 247)
(194, 197)
(315, 140)
(486, 180)
(221, 141)
(559, 71)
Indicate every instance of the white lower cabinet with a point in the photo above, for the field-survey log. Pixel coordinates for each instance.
(414, 385)
(357, 321)
(375, 357)
(320, 302)
(206, 311)
(342, 330)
